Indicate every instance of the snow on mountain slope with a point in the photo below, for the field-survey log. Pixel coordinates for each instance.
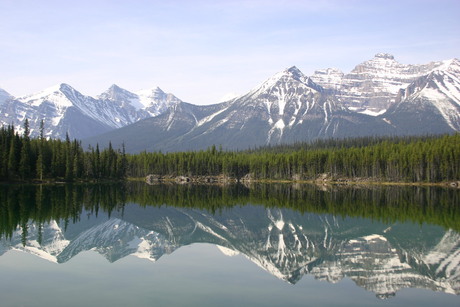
(64, 110)
(284, 243)
(46, 242)
(374, 264)
(124, 99)
(55, 94)
(146, 103)
(430, 104)
(330, 78)
(288, 107)
(374, 83)
(115, 239)
(155, 101)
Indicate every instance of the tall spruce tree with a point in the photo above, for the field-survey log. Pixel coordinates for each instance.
(24, 162)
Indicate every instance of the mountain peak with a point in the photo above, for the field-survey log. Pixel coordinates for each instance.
(114, 87)
(293, 70)
(66, 87)
(116, 93)
(452, 65)
(53, 89)
(291, 74)
(56, 89)
(385, 56)
(4, 96)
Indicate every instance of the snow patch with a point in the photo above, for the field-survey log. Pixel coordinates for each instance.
(227, 251)
(374, 237)
(280, 124)
(210, 231)
(368, 111)
(279, 224)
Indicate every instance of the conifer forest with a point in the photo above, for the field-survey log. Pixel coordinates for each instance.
(399, 159)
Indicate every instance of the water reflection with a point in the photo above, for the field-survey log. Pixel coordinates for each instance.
(383, 238)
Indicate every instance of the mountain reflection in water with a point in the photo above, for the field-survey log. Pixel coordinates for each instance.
(382, 238)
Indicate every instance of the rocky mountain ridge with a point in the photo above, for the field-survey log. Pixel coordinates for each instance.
(378, 97)
(373, 84)
(65, 110)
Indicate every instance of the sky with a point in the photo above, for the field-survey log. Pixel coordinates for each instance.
(204, 52)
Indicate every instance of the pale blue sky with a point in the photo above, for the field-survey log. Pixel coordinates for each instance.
(203, 50)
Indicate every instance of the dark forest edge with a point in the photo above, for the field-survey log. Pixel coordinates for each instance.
(23, 159)
(426, 159)
(67, 204)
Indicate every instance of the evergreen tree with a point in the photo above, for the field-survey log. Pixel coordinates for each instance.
(25, 153)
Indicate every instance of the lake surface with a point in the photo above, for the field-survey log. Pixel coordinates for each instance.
(191, 245)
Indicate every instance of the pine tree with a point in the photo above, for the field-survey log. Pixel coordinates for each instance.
(40, 164)
(24, 162)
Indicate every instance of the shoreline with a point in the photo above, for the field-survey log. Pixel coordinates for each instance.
(224, 180)
(156, 179)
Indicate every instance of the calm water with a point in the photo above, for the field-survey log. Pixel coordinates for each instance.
(269, 245)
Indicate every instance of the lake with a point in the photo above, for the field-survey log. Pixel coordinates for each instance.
(205, 245)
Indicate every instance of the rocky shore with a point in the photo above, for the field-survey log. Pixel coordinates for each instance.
(249, 178)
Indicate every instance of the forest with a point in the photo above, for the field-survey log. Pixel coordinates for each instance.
(394, 159)
(25, 159)
(398, 159)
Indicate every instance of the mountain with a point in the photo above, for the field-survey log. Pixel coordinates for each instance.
(373, 85)
(147, 103)
(430, 104)
(116, 239)
(380, 257)
(64, 110)
(4, 96)
(378, 97)
(288, 107)
(169, 130)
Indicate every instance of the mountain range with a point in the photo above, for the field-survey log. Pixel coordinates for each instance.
(380, 257)
(378, 97)
(65, 111)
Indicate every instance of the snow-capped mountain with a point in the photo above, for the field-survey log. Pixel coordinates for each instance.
(373, 85)
(287, 107)
(115, 239)
(64, 110)
(146, 103)
(378, 97)
(45, 242)
(430, 104)
(379, 257)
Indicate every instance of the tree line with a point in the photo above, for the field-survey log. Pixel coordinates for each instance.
(25, 159)
(410, 159)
